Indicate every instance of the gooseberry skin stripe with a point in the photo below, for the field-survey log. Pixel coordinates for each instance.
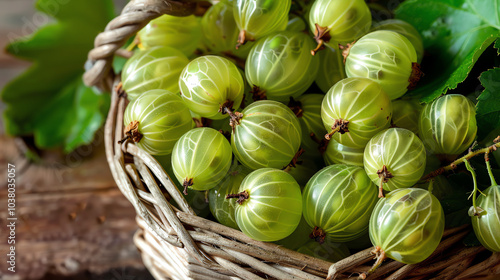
(363, 103)
(280, 64)
(385, 57)
(220, 31)
(336, 16)
(257, 19)
(163, 118)
(448, 124)
(337, 153)
(146, 70)
(392, 228)
(208, 82)
(401, 151)
(268, 135)
(310, 121)
(487, 225)
(224, 209)
(331, 68)
(274, 207)
(339, 199)
(405, 29)
(406, 114)
(181, 33)
(203, 155)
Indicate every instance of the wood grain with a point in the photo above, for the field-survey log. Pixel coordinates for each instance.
(71, 216)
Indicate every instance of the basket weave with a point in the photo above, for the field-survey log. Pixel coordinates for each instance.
(176, 244)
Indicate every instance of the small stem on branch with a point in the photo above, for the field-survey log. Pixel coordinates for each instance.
(488, 167)
(468, 156)
(119, 90)
(473, 194)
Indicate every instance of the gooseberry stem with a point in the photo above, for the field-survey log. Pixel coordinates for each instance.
(202, 122)
(380, 256)
(384, 174)
(321, 35)
(258, 94)
(294, 161)
(119, 89)
(242, 196)
(296, 107)
(345, 50)
(339, 125)
(473, 173)
(318, 235)
(242, 39)
(188, 182)
(488, 167)
(132, 131)
(468, 156)
(329, 135)
(235, 117)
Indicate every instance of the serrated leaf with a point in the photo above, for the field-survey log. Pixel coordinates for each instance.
(497, 46)
(455, 34)
(47, 89)
(488, 105)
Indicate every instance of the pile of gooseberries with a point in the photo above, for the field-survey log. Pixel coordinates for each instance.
(299, 131)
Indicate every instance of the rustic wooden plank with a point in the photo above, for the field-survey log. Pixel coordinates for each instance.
(70, 216)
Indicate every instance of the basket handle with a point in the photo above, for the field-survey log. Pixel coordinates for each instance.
(135, 15)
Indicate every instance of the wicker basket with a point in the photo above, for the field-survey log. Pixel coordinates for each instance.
(176, 244)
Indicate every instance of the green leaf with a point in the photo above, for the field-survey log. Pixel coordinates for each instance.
(455, 34)
(74, 124)
(39, 100)
(488, 105)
